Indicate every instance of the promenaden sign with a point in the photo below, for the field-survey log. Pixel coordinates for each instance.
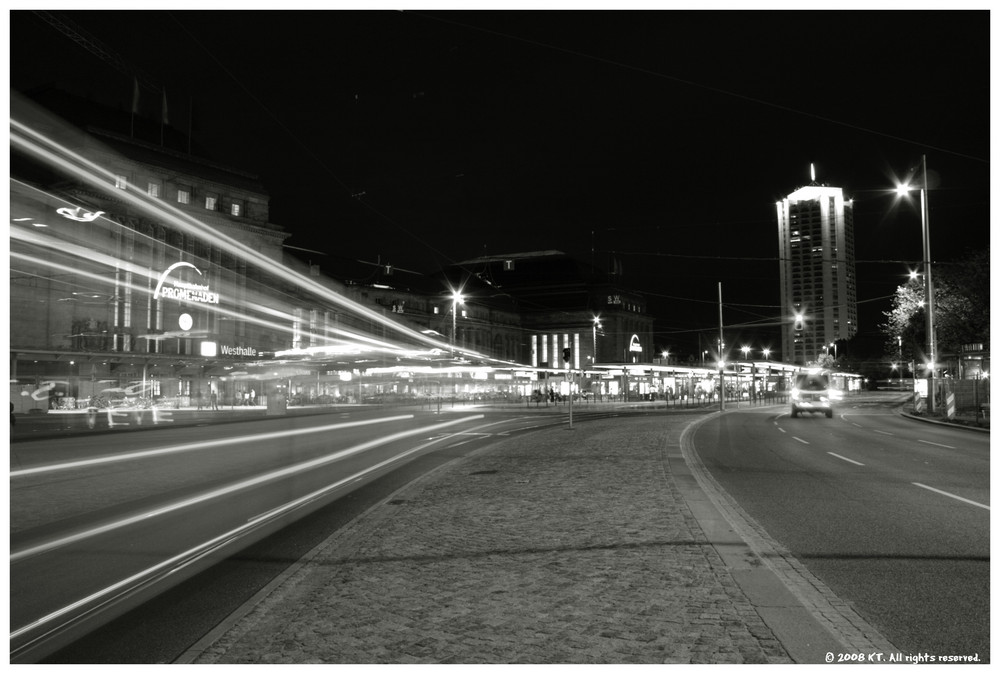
(182, 290)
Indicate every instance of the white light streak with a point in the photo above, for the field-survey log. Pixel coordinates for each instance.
(229, 489)
(192, 446)
(85, 170)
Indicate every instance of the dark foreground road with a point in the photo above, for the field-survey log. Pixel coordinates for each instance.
(890, 513)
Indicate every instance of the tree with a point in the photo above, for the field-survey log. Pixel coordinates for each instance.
(961, 309)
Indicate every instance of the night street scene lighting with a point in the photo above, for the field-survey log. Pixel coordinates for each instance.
(246, 429)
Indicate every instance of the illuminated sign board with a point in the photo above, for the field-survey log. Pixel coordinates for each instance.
(227, 350)
(183, 291)
(634, 345)
(213, 349)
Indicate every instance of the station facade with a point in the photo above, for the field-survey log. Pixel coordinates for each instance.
(118, 294)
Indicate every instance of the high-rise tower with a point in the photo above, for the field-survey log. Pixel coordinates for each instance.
(818, 283)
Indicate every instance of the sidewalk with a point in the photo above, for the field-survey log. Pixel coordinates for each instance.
(561, 546)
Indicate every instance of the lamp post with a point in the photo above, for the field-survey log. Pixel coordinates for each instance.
(456, 299)
(746, 357)
(928, 282)
(799, 327)
(597, 324)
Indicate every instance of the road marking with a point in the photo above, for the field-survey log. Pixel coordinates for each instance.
(844, 458)
(884, 432)
(782, 429)
(944, 493)
(936, 444)
(800, 440)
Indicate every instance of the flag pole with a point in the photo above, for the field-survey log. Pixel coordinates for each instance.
(135, 106)
(163, 117)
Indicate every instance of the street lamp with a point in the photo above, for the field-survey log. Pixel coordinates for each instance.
(928, 282)
(834, 345)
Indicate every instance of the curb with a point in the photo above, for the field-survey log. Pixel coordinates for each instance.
(808, 622)
(925, 420)
(802, 612)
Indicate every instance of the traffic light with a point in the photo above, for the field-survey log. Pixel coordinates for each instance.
(567, 354)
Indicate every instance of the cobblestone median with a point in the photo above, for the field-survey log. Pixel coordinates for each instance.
(563, 546)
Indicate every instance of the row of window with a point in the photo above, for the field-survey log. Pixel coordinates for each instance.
(185, 194)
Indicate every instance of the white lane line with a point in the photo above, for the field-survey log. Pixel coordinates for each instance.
(884, 432)
(800, 440)
(782, 429)
(844, 458)
(958, 498)
(936, 444)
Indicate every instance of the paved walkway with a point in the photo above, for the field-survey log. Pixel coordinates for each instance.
(560, 546)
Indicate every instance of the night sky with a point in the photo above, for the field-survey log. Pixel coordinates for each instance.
(660, 138)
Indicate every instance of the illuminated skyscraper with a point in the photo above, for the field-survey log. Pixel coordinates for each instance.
(818, 282)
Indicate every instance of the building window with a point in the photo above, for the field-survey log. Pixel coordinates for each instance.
(183, 195)
(121, 182)
(154, 190)
(236, 209)
(210, 202)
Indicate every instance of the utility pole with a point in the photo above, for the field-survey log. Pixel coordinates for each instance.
(722, 362)
(928, 289)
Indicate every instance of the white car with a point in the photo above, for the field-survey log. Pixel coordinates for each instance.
(812, 393)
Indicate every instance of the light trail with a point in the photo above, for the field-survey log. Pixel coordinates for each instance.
(24, 235)
(193, 554)
(61, 157)
(192, 446)
(229, 489)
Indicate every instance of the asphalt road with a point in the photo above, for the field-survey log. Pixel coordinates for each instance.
(102, 523)
(891, 513)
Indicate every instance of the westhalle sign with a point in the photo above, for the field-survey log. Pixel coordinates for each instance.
(227, 350)
(182, 290)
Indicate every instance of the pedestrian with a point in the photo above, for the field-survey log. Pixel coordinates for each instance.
(246, 398)
(215, 400)
(253, 396)
(197, 397)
